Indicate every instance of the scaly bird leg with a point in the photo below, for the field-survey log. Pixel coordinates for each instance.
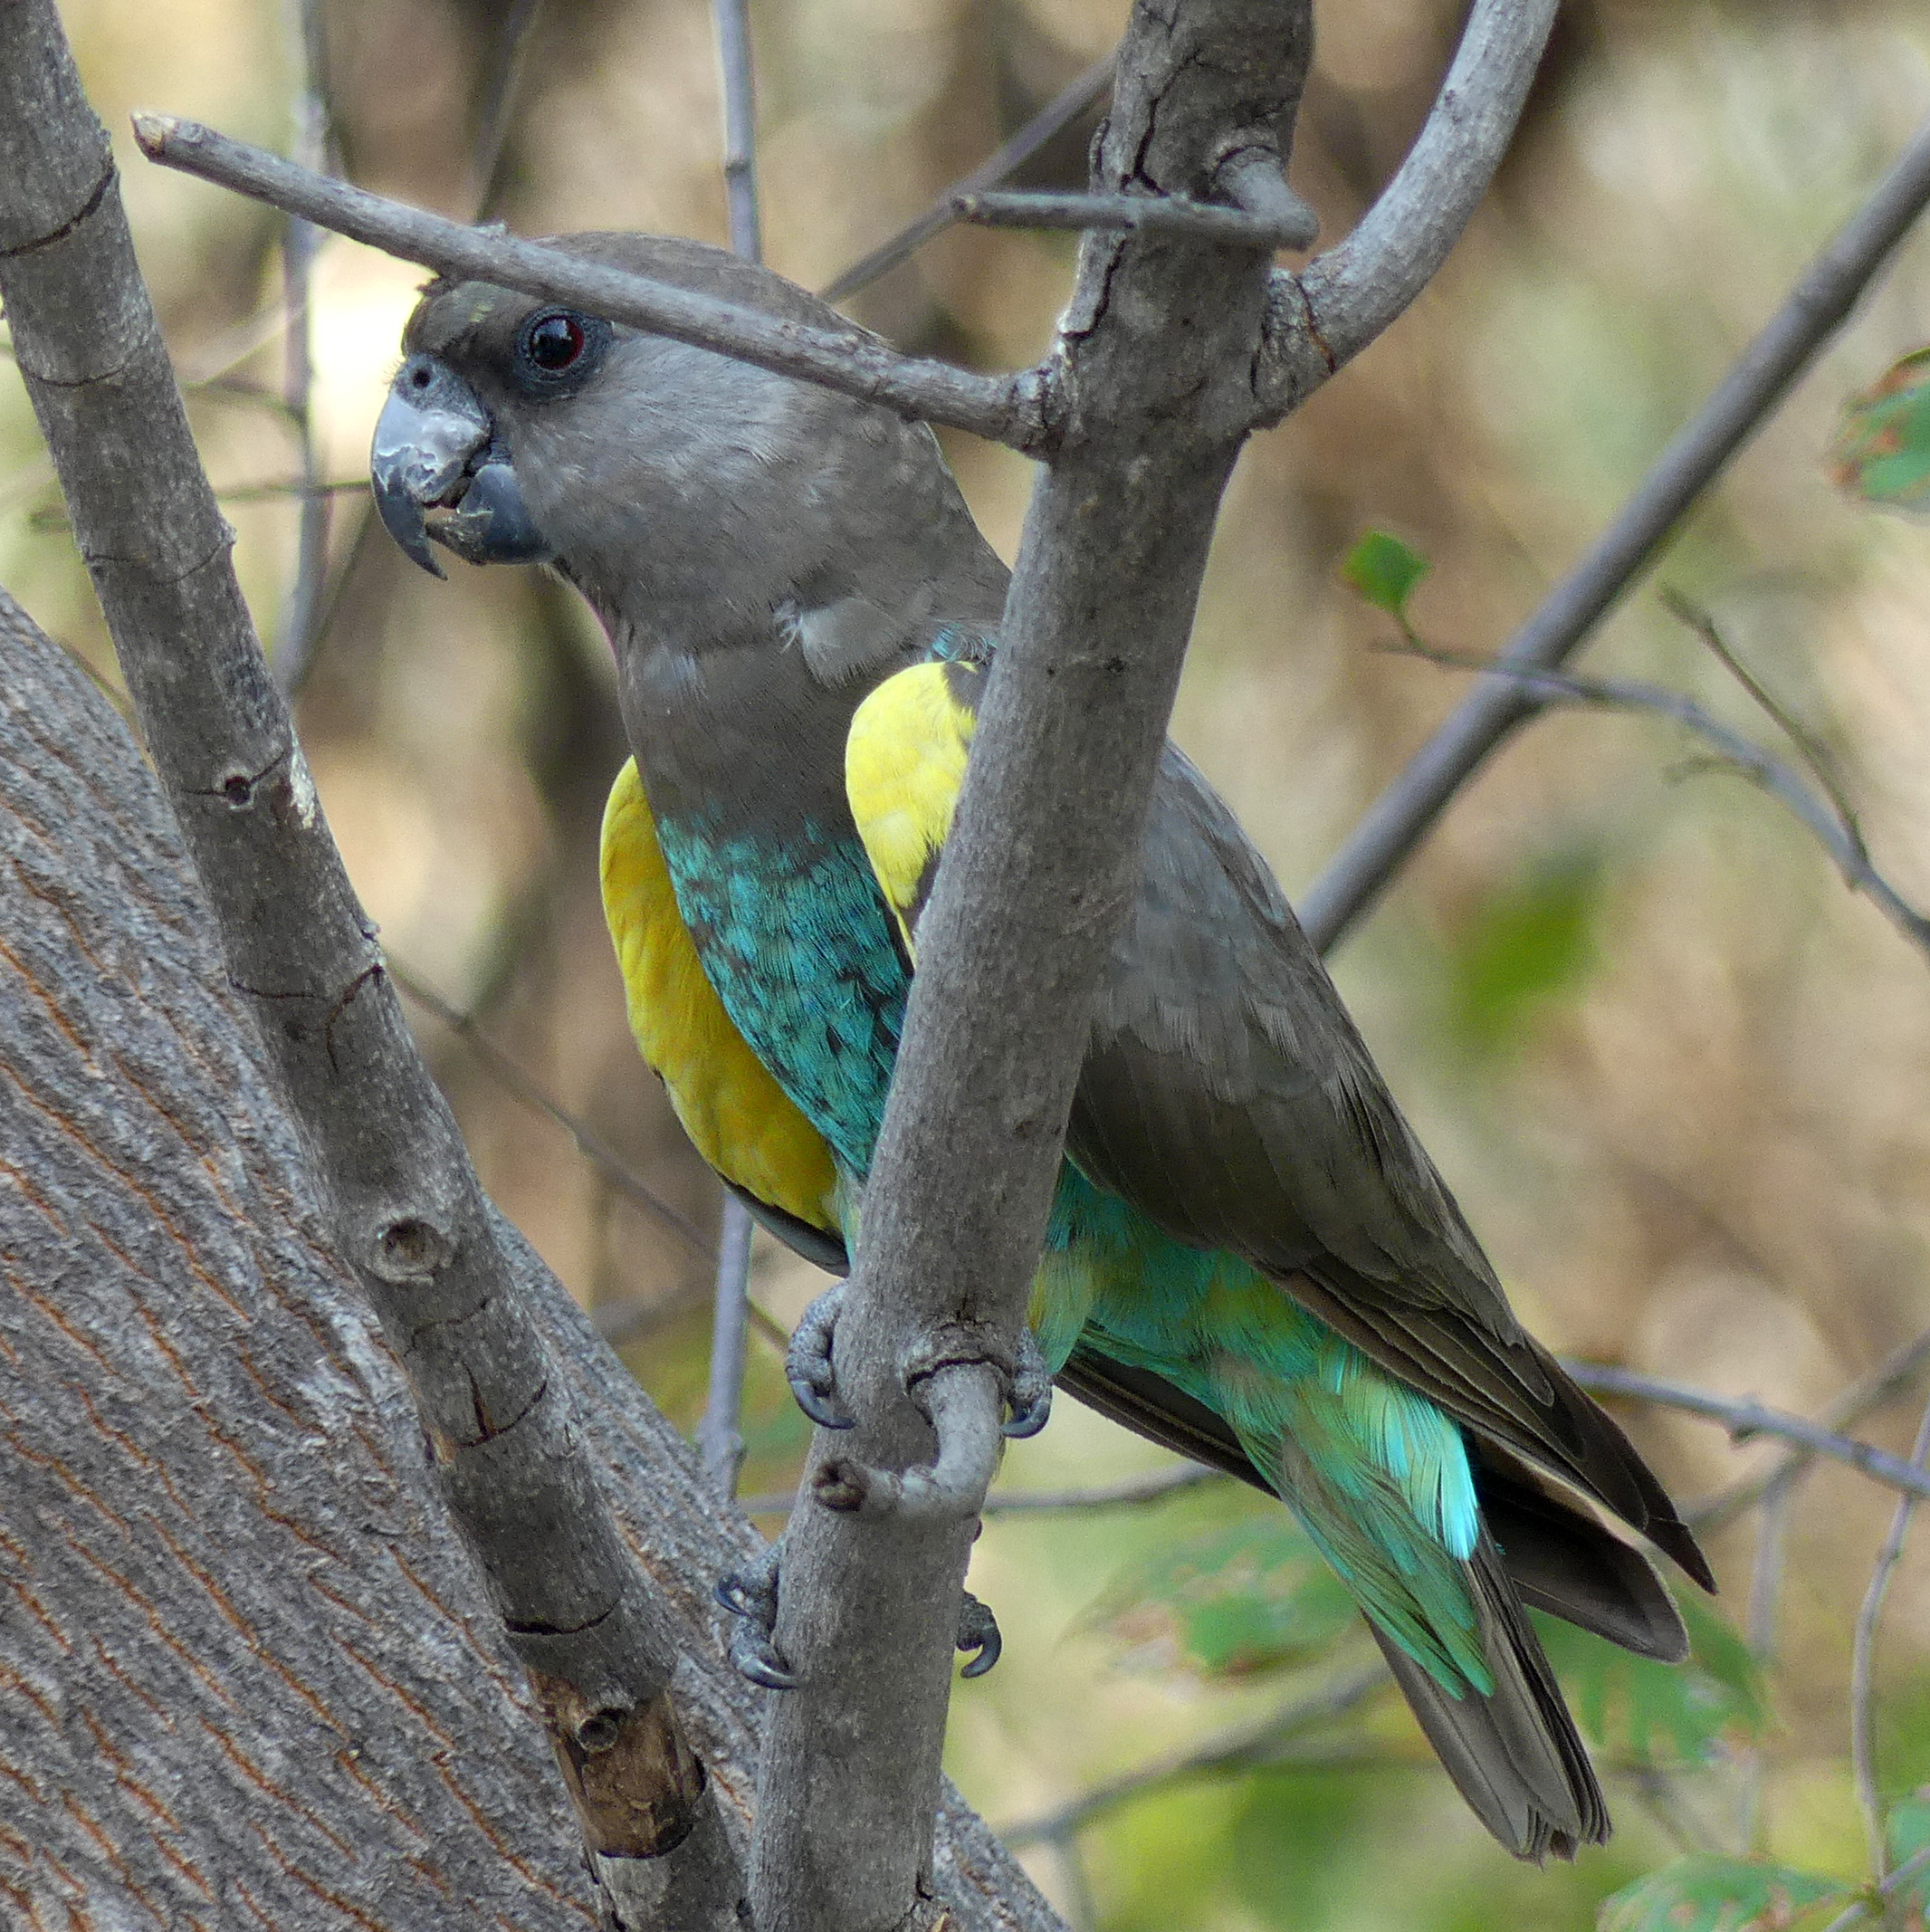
(751, 1595)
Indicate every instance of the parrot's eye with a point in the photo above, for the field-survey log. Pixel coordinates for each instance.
(555, 343)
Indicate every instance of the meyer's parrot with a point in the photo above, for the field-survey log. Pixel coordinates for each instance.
(1250, 1258)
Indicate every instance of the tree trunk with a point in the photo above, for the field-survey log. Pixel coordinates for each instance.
(248, 1674)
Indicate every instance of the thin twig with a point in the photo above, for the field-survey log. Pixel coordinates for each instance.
(499, 106)
(1863, 1665)
(589, 1144)
(301, 243)
(732, 19)
(1241, 1748)
(1133, 1492)
(1828, 822)
(1160, 214)
(1815, 753)
(1872, 1902)
(619, 1322)
(1407, 809)
(720, 1435)
(1000, 165)
(1004, 409)
(1744, 1418)
(1891, 1378)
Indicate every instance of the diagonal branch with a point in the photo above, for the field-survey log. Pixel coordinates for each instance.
(1000, 165)
(1742, 1417)
(1329, 311)
(593, 1630)
(1403, 815)
(1008, 409)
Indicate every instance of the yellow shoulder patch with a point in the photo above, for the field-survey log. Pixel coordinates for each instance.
(904, 761)
(739, 1118)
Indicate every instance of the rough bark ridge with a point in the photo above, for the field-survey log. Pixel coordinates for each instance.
(248, 1674)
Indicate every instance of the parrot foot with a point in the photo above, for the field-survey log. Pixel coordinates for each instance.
(963, 1400)
(751, 1595)
(807, 1362)
(979, 1632)
(813, 1382)
(1029, 1394)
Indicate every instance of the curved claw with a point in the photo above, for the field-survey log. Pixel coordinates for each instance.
(807, 1362)
(751, 1595)
(756, 1659)
(736, 1594)
(978, 1630)
(1030, 1398)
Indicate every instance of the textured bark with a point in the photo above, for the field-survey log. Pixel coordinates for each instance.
(248, 1672)
(404, 1207)
(1154, 390)
(248, 1675)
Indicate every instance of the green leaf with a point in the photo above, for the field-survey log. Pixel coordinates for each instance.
(1656, 1715)
(1882, 450)
(1232, 1601)
(1713, 1894)
(1384, 570)
(1532, 942)
(1907, 1831)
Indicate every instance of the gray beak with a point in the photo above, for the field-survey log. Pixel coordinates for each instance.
(435, 449)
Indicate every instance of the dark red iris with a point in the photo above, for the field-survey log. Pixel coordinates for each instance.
(556, 342)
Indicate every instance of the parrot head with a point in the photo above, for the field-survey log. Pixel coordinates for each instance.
(671, 485)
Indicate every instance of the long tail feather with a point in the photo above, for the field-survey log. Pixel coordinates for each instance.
(1515, 1754)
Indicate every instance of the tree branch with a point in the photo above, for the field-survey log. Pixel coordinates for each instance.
(589, 1626)
(719, 1434)
(1004, 409)
(1883, 1385)
(1000, 165)
(1244, 1747)
(1743, 1418)
(1153, 214)
(1333, 307)
(1829, 819)
(1402, 817)
(1863, 1660)
(1153, 363)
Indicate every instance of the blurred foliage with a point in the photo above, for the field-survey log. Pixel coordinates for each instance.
(1674, 1073)
(1637, 1712)
(1233, 1601)
(1384, 570)
(1529, 946)
(1883, 450)
(1719, 1895)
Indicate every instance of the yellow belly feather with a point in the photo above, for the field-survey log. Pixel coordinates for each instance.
(737, 1117)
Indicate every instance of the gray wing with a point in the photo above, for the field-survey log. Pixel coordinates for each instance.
(1227, 1095)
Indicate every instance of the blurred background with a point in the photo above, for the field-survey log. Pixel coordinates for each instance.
(1675, 1073)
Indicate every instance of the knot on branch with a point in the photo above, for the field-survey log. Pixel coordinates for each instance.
(410, 1249)
(631, 1773)
(963, 1401)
